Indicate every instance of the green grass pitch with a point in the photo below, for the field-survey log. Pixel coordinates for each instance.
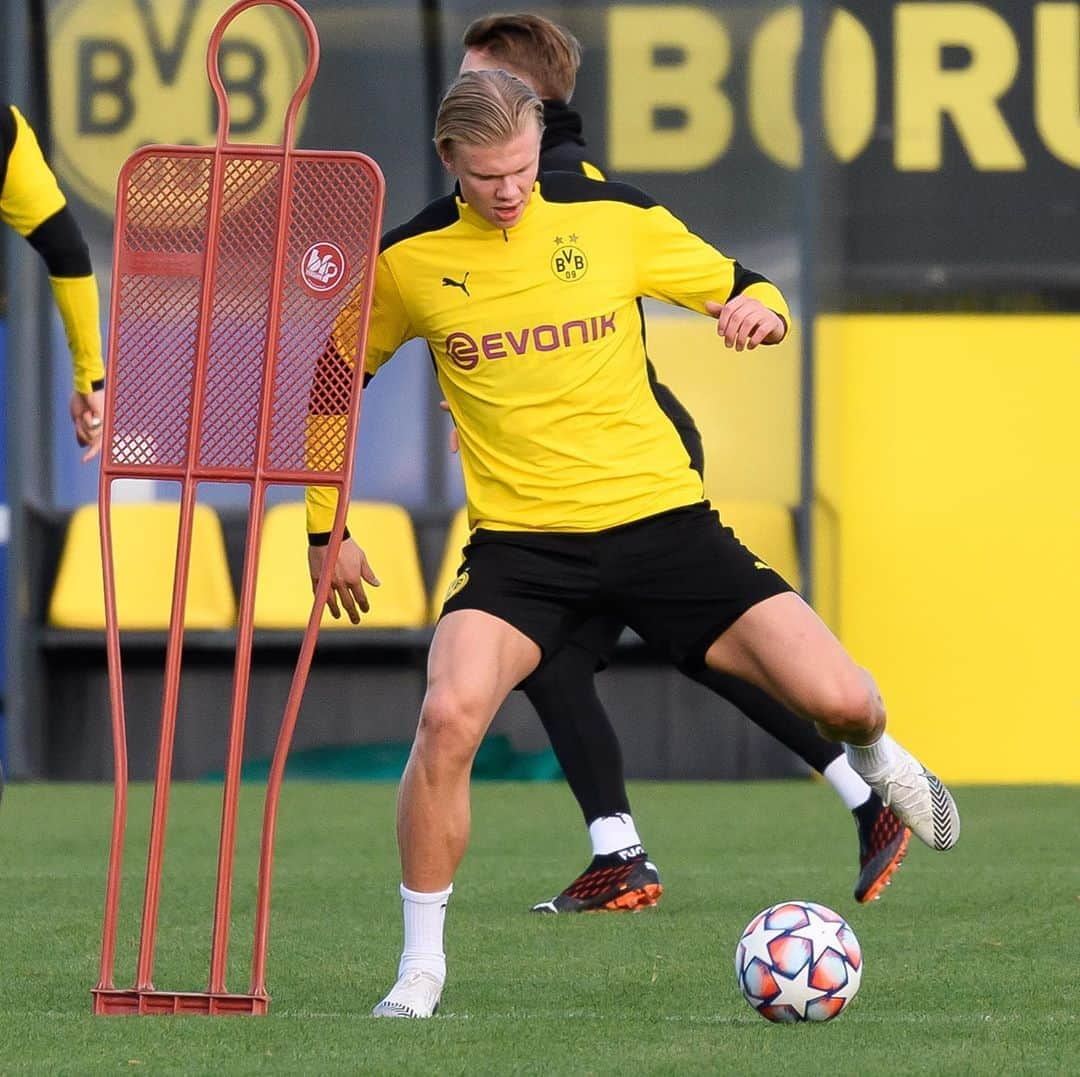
(970, 957)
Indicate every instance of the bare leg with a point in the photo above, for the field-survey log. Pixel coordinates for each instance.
(782, 646)
(474, 662)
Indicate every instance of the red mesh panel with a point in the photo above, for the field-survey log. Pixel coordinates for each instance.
(334, 202)
(163, 228)
(240, 307)
(161, 235)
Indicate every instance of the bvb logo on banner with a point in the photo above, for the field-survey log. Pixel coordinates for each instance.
(127, 73)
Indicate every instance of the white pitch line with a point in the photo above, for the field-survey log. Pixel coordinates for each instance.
(583, 1015)
(715, 1019)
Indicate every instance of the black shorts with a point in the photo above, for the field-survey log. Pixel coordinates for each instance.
(678, 579)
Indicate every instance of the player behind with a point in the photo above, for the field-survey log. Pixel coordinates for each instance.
(33, 204)
(580, 491)
(546, 58)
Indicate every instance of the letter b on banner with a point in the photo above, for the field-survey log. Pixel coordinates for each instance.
(139, 76)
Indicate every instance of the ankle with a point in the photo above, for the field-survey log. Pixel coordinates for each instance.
(612, 834)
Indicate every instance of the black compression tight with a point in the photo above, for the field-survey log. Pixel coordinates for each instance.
(766, 713)
(563, 691)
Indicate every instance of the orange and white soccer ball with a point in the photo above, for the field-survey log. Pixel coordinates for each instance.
(798, 961)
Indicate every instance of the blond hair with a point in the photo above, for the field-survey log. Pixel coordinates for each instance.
(544, 51)
(485, 108)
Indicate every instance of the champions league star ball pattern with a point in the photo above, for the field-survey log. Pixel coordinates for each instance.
(798, 961)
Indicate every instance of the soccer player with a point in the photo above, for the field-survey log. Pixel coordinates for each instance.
(33, 204)
(582, 496)
(621, 875)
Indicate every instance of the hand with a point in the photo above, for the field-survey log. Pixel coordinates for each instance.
(350, 574)
(87, 413)
(452, 439)
(745, 323)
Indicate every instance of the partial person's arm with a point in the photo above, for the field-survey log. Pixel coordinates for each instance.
(681, 268)
(388, 329)
(33, 204)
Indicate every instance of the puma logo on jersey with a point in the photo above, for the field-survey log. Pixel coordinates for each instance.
(449, 282)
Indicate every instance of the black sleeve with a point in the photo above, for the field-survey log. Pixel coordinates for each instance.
(7, 140)
(745, 277)
(60, 243)
(322, 538)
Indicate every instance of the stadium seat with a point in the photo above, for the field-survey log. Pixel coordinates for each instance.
(144, 553)
(457, 535)
(768, 529)
(385, 531)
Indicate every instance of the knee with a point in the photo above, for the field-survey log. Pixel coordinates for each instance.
(450, 727)
(850, 708)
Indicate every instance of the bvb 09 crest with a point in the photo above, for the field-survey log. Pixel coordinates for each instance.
(569, 262)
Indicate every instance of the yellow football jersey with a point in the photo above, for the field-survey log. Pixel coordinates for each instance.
(538, 340)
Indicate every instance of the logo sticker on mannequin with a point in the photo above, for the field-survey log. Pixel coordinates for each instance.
(322, 269)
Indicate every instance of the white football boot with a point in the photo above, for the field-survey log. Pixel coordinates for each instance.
(416, 994)
(918, 798)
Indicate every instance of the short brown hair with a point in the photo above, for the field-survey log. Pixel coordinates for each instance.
(484, 108)
(548, 53)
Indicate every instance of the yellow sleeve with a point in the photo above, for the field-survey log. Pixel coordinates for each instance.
(31, 197)
(390, 325)
(388, 328)
(681, 268)
(77, 300)
(30, 193)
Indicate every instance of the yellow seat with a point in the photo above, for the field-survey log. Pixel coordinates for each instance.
(768, 529)
(385, 531)
(457, 536)
(144, 556)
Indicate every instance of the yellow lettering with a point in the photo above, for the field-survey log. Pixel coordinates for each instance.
(925, 91)
(667, 110)
(849, 90)
(1057, 79)
(771, 87)
(849, 86)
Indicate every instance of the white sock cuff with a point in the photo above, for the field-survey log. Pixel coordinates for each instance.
(421, 898)
(610, 833)
(868, 758)
(849, 787)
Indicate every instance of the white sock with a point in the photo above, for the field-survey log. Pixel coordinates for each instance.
(850, 788)
(424, 916)
(871, 760)
(611, 833)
